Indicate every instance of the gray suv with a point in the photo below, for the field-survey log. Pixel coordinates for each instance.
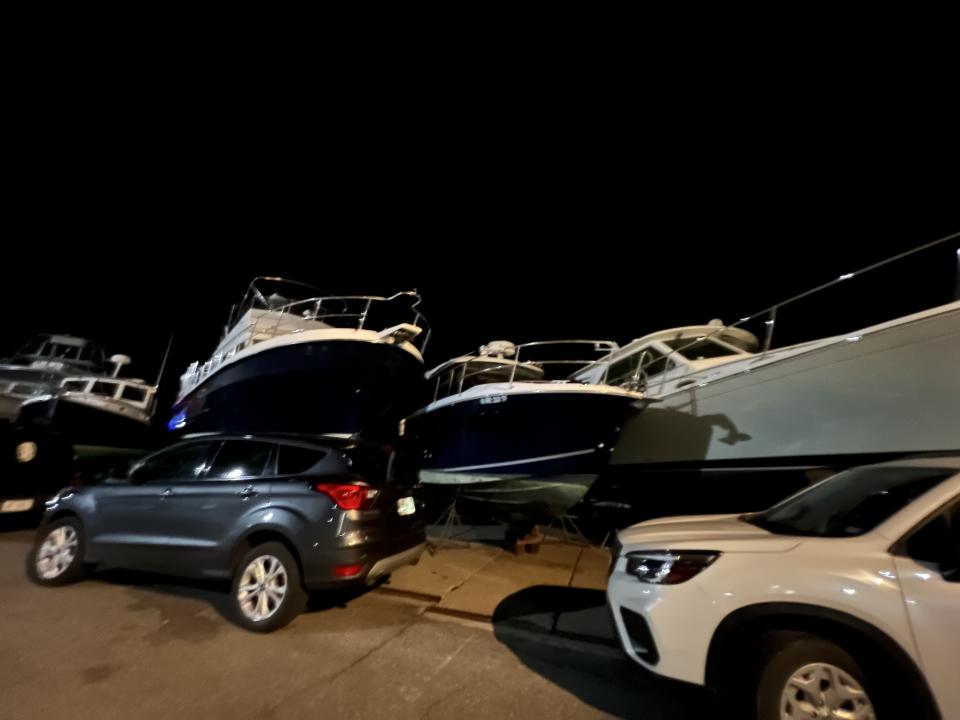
(278, 515)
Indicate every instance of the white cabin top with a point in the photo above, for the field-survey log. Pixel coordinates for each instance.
(688, 349)
(131, 397)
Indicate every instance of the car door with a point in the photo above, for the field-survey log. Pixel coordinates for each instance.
(202, 514)
(129, 529)
(928, 565)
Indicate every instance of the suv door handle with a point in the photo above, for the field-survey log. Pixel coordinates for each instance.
(248, 491)
(166, 493)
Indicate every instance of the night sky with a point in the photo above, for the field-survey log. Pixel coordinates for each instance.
(526, 196)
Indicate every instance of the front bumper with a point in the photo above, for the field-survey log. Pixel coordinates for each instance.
(665, 628)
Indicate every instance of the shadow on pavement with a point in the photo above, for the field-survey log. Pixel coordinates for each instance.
(214, 593)
(11, 522)
(596, 674)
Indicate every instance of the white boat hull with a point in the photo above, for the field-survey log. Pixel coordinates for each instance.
(894, 388)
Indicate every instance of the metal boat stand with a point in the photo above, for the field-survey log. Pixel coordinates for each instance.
(568, 526)
(449, 519)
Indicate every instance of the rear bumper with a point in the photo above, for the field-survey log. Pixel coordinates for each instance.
(387, 565)
(374, 561)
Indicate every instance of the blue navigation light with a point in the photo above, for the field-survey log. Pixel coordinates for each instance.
(177, 421)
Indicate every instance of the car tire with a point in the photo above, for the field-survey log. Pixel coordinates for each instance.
(803, 670)
(57, 556)
(267, 592)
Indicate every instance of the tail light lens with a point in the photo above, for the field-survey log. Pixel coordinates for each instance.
(349, 496)
(344, 571)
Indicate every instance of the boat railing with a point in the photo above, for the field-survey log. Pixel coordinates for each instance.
(769, 314)
(599, 346)
(351, 311)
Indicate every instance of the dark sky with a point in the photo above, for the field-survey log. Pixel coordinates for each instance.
(525, 194)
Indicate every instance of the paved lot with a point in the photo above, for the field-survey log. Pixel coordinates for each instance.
(124, 645)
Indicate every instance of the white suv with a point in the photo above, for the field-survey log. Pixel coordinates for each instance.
(843, 601)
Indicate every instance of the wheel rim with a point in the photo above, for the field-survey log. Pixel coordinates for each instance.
(262, 588)
(820, 691)
(57, 552)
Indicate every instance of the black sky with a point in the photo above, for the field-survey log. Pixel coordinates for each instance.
(526, 193)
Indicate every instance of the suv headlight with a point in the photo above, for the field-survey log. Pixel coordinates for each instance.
(665, 567)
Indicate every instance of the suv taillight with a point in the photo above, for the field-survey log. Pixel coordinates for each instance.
(348, 497)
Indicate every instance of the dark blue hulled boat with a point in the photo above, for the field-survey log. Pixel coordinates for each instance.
(321, 365)
(502, 435)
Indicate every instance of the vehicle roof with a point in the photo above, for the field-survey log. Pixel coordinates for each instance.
(307, 438)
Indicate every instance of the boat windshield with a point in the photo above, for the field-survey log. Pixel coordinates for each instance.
(705, 349)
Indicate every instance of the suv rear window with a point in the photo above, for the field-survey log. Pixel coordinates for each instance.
(369, 462)
(296, 460)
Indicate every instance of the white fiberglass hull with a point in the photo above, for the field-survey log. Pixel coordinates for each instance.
(893, 388)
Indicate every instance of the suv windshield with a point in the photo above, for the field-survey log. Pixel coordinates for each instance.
(850, 503)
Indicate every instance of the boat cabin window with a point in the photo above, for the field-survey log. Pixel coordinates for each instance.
(704, 349)
(74, 385)
(643, 364)
(466, 375)
(445, 383)
(133, 393)
(107, 389)
(58, 350)
(33, 347)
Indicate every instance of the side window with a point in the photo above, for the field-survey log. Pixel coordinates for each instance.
(704, 349)
(183, 462)
(240, 459)
(131, 392)
(622, 370)
(293, 460)
(657, 363)
(107, 389)
(445, 382)
(74, 385)
(937, 544)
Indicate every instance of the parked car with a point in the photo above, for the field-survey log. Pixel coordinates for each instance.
(277, 515)
(33, 466)
(843, 601)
